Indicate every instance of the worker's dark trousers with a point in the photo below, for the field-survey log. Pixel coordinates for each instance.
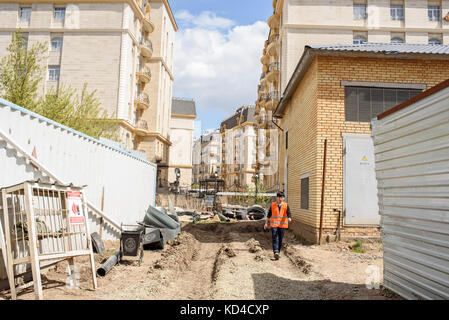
(278, 236)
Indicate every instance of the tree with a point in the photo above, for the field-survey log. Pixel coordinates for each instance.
(79, 112)
(21, 71)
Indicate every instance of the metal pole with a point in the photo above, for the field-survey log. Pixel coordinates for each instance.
(322, 192)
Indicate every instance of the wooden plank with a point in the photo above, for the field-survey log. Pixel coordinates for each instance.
(34, 253)
(89, 242)
(64, 255)
(2, 241)
(21, 260)
(8, 244)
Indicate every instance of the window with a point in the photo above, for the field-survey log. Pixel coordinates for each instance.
(359, 11)
(397, 40)
(56, 44)
(53, 73)
(359, 40)
(434, 41)
(433, 13)
(305, 192)
(59, 14)
(363, 103)
(286, 140)
(25, 40)
(397, 12)
(25, 14)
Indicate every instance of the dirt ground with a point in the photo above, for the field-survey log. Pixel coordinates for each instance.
(227, 261)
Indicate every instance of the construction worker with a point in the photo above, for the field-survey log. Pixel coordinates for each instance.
(278, 216)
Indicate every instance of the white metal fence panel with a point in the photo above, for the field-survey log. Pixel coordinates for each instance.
(129, 183)
(412, 169)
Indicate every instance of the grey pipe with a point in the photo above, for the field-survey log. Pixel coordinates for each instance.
(109, 264)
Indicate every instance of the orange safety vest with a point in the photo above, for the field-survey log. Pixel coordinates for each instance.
(279, 219)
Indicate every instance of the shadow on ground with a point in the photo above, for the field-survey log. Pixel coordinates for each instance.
(268, 285)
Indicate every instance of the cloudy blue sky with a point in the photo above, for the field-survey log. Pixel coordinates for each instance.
(217, 55)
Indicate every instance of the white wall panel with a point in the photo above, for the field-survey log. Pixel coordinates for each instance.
(128, 181)
(412, 170)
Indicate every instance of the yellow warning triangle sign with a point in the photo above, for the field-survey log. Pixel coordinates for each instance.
(365, 158)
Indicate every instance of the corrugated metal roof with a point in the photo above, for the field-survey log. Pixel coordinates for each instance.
(248, 116)
(181, 106)
(368, 49)
(388, 48)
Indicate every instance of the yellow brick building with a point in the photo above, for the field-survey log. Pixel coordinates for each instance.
(316, 106)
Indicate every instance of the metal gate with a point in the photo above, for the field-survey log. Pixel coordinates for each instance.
(360, 202)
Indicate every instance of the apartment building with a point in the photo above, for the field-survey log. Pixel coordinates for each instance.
(295, 24)
(239, 149)
(182, 127)
(208, 147)
(122, 49)
(156, 142)
(326, 142)
(196, 161)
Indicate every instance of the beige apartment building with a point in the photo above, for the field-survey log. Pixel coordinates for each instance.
(122, 49)
(206, 156)
(210, 154)
(297, 23)
(239, 152)
(182, 127)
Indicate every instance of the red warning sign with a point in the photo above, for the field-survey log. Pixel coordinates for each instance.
(75, 205)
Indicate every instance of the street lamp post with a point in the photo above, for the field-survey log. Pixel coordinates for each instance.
(256, 179)
(216, 190)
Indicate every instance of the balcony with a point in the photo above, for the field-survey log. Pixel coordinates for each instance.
(141, 128)
(146, 47)
(273, 46)
(274, 95)
(142, 101)
(263, 78)
(148, 26)
(273, 72)
(265, 57)
(274, 21)
(273, 100)
(144, 75)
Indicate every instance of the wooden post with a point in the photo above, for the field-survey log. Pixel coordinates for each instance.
(2, 240)
(9, 259)
(32, 239)
(323, 185)
(89, 243)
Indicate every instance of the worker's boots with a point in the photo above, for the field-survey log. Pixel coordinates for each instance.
(276, 256)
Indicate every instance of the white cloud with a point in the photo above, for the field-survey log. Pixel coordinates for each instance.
(220, 69)
(205, 19)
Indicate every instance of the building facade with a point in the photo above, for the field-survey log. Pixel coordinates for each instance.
(332, 97)
(209, 155)
(239, 149)
(156, 142)
(182, 127)
(122, 49)
(295, 24)
(196, 162)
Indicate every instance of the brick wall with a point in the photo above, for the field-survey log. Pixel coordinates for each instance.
(316, 112)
